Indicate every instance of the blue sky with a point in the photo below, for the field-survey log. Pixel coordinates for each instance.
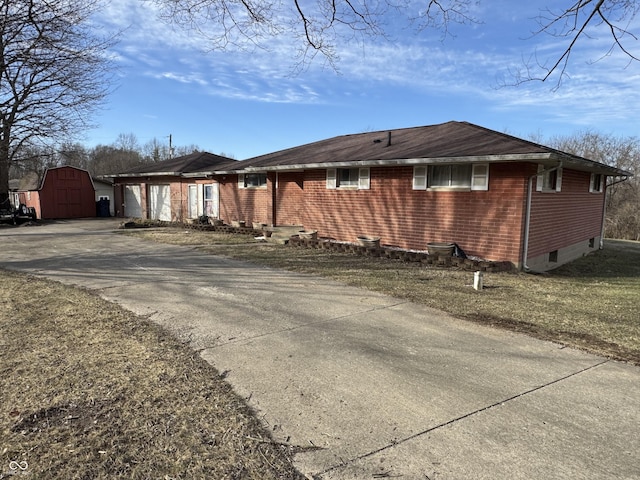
(247, 103)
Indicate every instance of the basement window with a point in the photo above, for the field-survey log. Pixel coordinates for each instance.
(553, 256)
(252, 180)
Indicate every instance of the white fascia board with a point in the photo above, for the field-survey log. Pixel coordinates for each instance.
(150, 174)
(403, 161)
(549, 159)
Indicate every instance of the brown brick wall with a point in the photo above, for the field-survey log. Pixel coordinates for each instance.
(248, 204)
(291, 207)
(488, 224)
(482, 223)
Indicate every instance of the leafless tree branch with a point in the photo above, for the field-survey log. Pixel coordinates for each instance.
(54, 73)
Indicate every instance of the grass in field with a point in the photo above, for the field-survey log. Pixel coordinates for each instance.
(90, 391)
(592, 303)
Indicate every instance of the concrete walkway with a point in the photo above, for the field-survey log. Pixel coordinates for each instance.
(368, 386)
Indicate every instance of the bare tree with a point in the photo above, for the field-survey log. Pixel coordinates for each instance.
(320, 26)
(572, 23)
(623, 198)
(54, 72)
(108, 160)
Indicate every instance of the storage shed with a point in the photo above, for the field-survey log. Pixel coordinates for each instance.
(64, 192)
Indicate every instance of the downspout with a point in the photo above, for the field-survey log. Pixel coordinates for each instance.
(604, 210)
(274, 200)
(527, 215)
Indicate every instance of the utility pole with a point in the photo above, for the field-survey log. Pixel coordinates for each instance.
(170, 148)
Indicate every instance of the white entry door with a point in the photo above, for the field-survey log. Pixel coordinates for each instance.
(212, 200)
(160, 202)
(132, 205)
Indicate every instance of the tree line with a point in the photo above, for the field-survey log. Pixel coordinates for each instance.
(125, 153)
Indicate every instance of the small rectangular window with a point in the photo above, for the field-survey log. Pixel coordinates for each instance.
(452, 176)
(252, 180)
(596, 183)
(553, 256)
(592, 242)
(420, 178)
(549, 181)
(480, 177)
(348, 178)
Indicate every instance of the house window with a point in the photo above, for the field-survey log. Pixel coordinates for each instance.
(348, 178)
(550, 181)
(465, 177)
(553, 256)
(596, 183)
(252, 180)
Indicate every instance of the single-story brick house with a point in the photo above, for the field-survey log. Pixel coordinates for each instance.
(62, 192)
(160, 190)
(497, 196)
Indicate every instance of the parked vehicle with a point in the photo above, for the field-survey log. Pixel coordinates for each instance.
(10, 214)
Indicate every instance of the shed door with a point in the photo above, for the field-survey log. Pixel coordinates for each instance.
(160, 202)
(132, 205)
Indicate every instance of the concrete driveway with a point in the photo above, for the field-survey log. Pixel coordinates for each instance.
(368, 386)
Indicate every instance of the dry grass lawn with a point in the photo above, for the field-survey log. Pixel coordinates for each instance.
(90, 391)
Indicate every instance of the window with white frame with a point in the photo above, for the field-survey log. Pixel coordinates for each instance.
(454, 177)
(252, 180)
(549, 180)
(596, 183)
(348, 178)
(208, 200)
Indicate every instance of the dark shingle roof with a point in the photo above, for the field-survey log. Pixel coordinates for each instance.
(194, 162)
(451, 141)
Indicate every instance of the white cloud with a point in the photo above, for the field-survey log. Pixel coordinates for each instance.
(463, 67)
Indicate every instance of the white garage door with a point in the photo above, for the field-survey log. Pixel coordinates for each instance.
(160, 202)
(132, 205)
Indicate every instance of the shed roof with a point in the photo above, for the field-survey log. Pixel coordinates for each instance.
(194, 162)
(449, 142)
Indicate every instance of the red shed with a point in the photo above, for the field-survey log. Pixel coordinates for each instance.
(65, 192)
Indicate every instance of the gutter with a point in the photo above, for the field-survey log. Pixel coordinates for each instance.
(527, 218)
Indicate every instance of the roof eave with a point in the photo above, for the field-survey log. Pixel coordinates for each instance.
(147, 174)
(403, 161)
